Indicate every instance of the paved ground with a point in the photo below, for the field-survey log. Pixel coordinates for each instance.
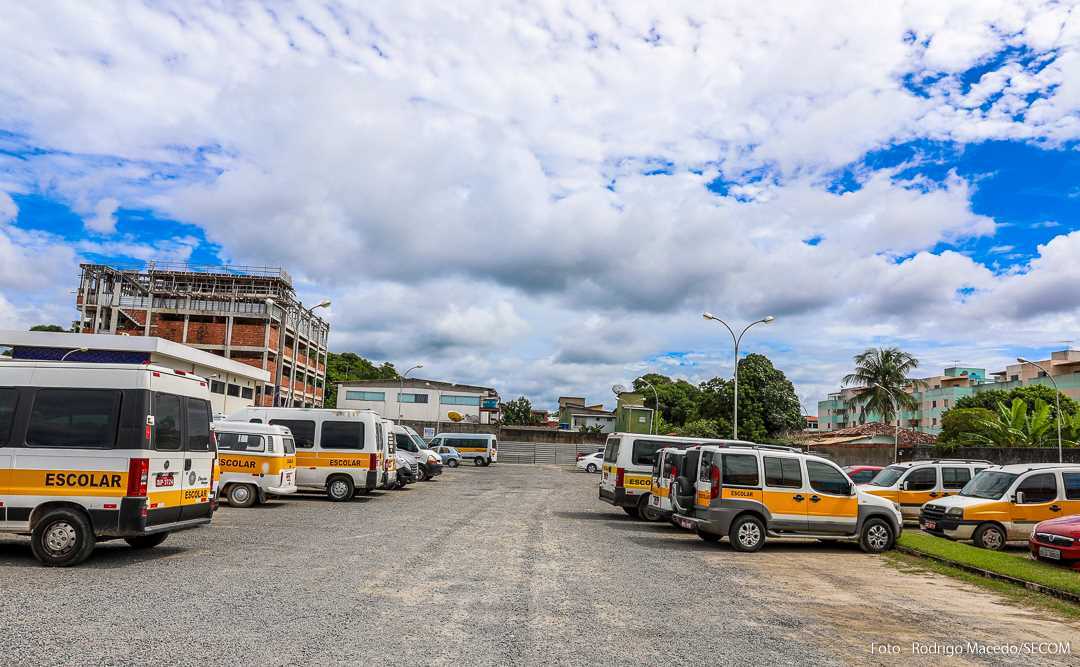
(510, 564)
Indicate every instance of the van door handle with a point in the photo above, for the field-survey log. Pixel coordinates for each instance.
(187, 464)
(815, 498)
(933, 494)
(798, 498)
(1055, 508)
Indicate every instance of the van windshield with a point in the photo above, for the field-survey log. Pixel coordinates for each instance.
(418, 441)
(888, 476)
(988, 485)
(290, 446)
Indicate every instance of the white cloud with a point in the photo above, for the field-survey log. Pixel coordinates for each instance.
(8, 209)
(103, 220)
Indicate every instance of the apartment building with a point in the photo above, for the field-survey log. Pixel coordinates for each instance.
(414, 399)
(250, 315)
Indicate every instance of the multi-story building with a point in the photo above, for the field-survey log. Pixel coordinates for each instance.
(937, 394)
(417, 400)
(248, 314)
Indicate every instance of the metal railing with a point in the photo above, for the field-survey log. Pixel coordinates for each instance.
(543, 452)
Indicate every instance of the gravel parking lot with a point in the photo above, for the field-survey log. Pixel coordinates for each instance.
(512, 564)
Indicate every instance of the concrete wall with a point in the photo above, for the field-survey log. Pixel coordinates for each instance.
(513, 433)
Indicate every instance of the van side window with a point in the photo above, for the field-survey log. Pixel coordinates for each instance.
(404, 442)
(303, 431)
(167, 423)
(955, 478)
(782, 472)
(922, 479)
(704, 464)
(1039, 488)
(342, 435)
(826, 479)
(9, 398)
(290, 446)
(255, 421)
(740, 470)
(240, 442)
(1072, 485)
(645, 451)
(198, 425)
(611, 450)
(74, 418)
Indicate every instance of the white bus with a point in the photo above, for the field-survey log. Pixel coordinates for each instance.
(92, 452)
(338, 452)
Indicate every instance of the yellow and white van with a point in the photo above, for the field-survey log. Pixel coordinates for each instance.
(482, 448)
(750, 492)
(626, 476)
(915, 483)
(1004, 503)
(666, 467)
(255, 461)
(92, 452)
(337, 451)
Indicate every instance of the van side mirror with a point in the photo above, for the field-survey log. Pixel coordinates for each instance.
(851, 488)
(1019, 498)
(903, 486)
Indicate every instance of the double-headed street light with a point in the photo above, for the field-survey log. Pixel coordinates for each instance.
(737, 340)
(1057, 402)
(401, 389)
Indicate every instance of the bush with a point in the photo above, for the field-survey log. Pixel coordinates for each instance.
(960, 425)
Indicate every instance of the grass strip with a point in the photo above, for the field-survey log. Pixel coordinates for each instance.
(1015, 566)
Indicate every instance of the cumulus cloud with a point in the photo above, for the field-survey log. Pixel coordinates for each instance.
(8, 209)
(103, 219)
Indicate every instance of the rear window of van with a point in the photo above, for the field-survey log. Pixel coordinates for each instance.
(611, 451)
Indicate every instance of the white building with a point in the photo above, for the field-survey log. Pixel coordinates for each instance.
(232, 384)
(420, 400)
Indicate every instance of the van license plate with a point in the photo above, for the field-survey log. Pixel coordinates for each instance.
(929, 525)
(684, 522)
(1052, 554)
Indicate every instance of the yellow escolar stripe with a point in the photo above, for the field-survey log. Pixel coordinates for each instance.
(108, 483)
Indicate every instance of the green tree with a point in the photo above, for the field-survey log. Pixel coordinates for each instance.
(881, 375)
(1031, 393)
(768, 406)
(678, 398)
(705, 428)
(49, 327)
(1014, 425)
(351, 367)
(963, 426)
(518, 412)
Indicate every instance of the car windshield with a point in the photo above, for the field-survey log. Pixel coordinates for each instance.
(888, 476)
(418, 441)
(988, 485)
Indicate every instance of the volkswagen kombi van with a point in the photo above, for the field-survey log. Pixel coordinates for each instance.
(915, 483)
(337, 451)
(1003, 503)
(92, 452)
(256, 461)
(748, 493)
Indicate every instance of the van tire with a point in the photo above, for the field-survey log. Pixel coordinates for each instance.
(632, 511)
(747, 534)
(340, 488)
(647, 511)
(989, 536)
(62, 538)
(476, 462)
(421, 474)
(146, 541)
(877, 536)
(241, 495)
(452, 463)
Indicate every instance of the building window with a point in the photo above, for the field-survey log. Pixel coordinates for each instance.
(935, 421)
(247, 392)
(365, 395)
(412, 398)
(217, 387)
(234, 390)
(933, 404)
(1014, 378)
(945, 403)
(460, 400)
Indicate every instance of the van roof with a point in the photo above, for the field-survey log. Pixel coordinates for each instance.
(56, 374)
(1018, 468)
(908, 464)
(464, 435)
(250, 427)
(680, 438)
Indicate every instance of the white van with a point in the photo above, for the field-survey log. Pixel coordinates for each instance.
(429, 463)
(482, 448)
(389, 456)
(337, 451)
(92, 452)
(626, 478)
(255, 461)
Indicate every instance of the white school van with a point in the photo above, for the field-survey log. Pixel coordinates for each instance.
(482, 448)
(256, 461)
(388, 450)
(337, 451)
(92, 452)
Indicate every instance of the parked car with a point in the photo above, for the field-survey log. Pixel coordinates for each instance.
(591, 462)
(407, 469)
(581, 455)
(1057, 541)
(915, 483)
(862, 474)
(451, 457)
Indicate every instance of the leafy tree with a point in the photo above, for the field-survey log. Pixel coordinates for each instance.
(963, 426)
(1031, 393)
(768, 406)
(881, 375)
(518, 412)
(705, 428)
(678, 398)
(351, 367)
(56, 328)
(1014, 425)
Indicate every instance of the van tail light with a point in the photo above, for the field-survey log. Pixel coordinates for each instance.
(138, 476)
(373, 465)
(674, 472)
(619, 473)
(714, 477)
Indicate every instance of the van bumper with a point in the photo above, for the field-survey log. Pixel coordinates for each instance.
(130, 520)
(618, 497)
(284, 490)
(433, 469)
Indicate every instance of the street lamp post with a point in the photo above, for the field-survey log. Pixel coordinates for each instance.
(71, 352)
(401, 389)
(896, 431)
(737, 340)
(656, 398)
(1057, 402)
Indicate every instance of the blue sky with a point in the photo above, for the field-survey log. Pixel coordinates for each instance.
(544, 198)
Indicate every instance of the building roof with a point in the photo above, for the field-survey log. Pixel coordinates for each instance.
(420, 383)
(908, 437)
(117, 343)
(599, 412)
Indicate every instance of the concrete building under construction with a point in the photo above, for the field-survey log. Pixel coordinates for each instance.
(247, 314)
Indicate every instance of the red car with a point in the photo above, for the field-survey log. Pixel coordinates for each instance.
(1057, 541)
(862, 474)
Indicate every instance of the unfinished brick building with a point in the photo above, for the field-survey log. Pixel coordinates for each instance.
(247, 314)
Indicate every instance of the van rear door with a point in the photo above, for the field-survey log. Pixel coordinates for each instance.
(199, 457)
(164, 483)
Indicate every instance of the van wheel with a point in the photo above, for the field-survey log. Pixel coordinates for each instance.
(877, 536)
(421, 474)
(146, 541)
(62, 538)
(241, 495)
(340, 488)
(647, 511)
(632, 511)
(989, 536)
(747, 533)
(487, 462)
(452, 463)
(476, 462)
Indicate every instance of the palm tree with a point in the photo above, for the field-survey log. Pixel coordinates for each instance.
(881, 377)
(1013, 426)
